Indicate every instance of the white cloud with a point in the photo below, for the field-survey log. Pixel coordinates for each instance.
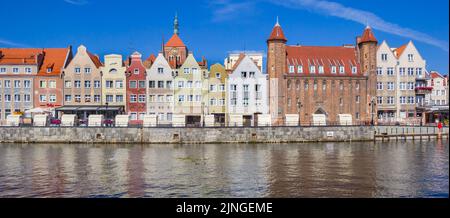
(77, 2)
(226, 9)
(363, 17)
(11, 43)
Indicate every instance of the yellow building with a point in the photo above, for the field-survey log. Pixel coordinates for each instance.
(113, 81)
(217, 93)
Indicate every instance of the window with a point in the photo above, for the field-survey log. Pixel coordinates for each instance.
(16, 83)
(194, 70)
(78, 98)
(198, 98)
(315, 85)
(312, 69)
(52, 84)
(379, 100)
(384, 57)
(42, 98)
(419, 72)
(141, 98)
(68, 98)
(291, 69)
(410, 71)
(390, 85)
(49, 70)
(189, 84)
(180, 98)
(7, 98)
(7, 84)
(402, 86)
(142, 84)
(119, 84)
(151, 98)
(15, 70)
(390, 100)
(109, 98)
(160, 70)
(357, 99)
(402, 100)
(251, 74)
(299, 69)
(28, 69)
(168, 84)
(410, 57)
(410, 85)
(333, 69)
(198, 84)
(186, 70)
(218, 75)
(161, 84)
(222, 87)
(379, 86)
(354, 70)
(87, 98)
(67, 84)
(244, 74)
(87, 84)
(113, 71)
(357, 86)
(109, 84)
(133, 98)
(411, 100)
(77, 70)
(212, 88)
(42, 84)
(390, 71)
(324, 85)
(97, 98)
(180, 84)
(402, 71)
(17, 98)
(87, 70)
(77, 84)
(169, 98)
(119, 98)
(133, 84)
(341, 69)
(52, 98)
(96, 84)
(136, 71)
(27, 98)
(133, 116)
(212, 101)
(3, 70)
(321, 69)
(379, 71)
(151, 84)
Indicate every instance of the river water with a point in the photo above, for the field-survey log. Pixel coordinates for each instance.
(359, 169)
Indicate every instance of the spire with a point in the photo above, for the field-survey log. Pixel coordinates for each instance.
(176, 25)
(277, 33)
(368, 36)
(278, 23)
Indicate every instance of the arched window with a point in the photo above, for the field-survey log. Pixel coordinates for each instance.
(289, 84)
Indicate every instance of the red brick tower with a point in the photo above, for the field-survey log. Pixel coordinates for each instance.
(276, 67)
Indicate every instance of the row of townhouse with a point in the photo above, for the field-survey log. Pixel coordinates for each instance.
(371, 82)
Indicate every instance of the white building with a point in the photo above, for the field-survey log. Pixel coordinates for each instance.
(399, 72)
(160, 90)
(247, 91)
(232, 59)
(439, 94)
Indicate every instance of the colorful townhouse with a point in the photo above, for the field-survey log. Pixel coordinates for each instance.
(82, 85)
(114, 91)
(217, 106)
(401, 82)
(136, 79)
(48, 82)
(160, 90)
(247, 91)
(18, 69)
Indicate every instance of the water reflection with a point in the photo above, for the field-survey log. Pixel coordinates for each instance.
(403, 169)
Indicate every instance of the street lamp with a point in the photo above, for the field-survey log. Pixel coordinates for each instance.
(372, 104)
(299, 106)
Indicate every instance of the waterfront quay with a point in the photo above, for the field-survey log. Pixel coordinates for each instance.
(208, 135)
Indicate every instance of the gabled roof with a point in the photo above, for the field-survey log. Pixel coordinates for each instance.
(149, 61)
(54, 58)
(15, 56)
(435, 74)
(399, 51)
(277, 33)
(368, 36)
(175, 41)
(95, 59)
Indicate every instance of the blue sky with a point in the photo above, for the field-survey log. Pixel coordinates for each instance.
(212, 28)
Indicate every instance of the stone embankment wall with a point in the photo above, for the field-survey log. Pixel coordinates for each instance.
(185, 135)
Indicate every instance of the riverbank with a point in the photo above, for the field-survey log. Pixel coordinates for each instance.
(200, 135)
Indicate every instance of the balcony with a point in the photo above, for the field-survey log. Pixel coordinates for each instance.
(423, 90)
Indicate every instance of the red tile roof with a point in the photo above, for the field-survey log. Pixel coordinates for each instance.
(95, 59)
(175, 41)
(54, 58)
(277, 34)
(149, 61)
(238, 61)
(399, 51)
(435, 75)
(307, 56)
(368, 36)
(16, 56)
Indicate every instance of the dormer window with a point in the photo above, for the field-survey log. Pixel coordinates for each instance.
(136, 71)
(299, 69)
(333, 69)
(291, 69)
(320, 69)
(49, 70)
(312, 69)
(341, 69)
(410, 57)
(354, 69)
